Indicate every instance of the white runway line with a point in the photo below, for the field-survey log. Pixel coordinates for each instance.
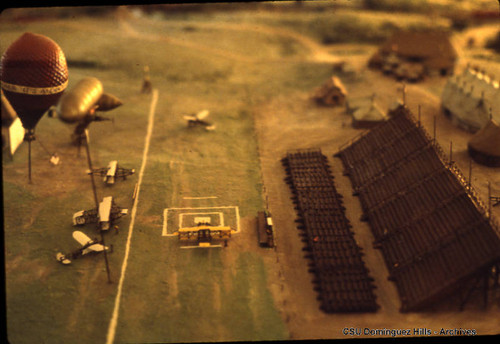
(114, 318)
(206, 197)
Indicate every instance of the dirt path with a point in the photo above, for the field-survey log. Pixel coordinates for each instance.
(317, 52)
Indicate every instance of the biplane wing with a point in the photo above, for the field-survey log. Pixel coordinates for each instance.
(204, 235)
(202, 114)
(88, 244)
(116, 212)
(98, 171)
(124, 172)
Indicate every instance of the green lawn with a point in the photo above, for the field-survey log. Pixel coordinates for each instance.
(169, 294)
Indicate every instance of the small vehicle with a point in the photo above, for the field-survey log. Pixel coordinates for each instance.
(265, 229)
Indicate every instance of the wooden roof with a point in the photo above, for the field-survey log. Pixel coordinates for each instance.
(433, 231)
(430, 45)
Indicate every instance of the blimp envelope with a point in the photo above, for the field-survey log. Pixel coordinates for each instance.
(76, 103)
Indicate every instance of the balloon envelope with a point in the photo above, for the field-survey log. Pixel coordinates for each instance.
(76, 103)
(34, 74)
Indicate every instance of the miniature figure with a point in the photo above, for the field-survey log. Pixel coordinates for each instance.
(146, 84)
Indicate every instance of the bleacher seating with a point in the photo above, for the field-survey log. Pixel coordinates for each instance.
(341, 278)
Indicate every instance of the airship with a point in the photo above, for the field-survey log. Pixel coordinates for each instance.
(81, 103)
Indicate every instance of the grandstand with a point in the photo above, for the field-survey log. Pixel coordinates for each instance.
(341, 278)
(435, 234)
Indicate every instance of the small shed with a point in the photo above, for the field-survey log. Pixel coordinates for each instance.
(331, 93)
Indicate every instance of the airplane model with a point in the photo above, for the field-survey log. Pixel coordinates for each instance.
(198, 119)
(105, 215)
(112, 172)
(88, 246)
(203, 235)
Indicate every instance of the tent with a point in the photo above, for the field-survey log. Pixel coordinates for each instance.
(484, 146)
(368, 116)
(471, 98)
(353, 104)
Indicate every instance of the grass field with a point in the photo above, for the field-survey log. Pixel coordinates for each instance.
(169, 295)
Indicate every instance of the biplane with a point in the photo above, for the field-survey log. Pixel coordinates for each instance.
(204, 236)
(198, 119)
(88, 246)
(104, 216)
(112, 172)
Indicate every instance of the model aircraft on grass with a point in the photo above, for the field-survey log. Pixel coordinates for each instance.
(203, 236)
(197, 119)
(88, 246)
(112, 172)
(104, 216)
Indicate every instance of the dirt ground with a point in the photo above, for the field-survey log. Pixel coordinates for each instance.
(295, 122)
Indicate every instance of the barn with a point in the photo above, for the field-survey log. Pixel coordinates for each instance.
(424, 51)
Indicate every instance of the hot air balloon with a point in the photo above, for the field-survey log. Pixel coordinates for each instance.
(34, 75)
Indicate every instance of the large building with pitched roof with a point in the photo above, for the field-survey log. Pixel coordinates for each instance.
(429, 50)
(436, 236)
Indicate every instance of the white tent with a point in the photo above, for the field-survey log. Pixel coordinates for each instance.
(368, 116)
(469, 99)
